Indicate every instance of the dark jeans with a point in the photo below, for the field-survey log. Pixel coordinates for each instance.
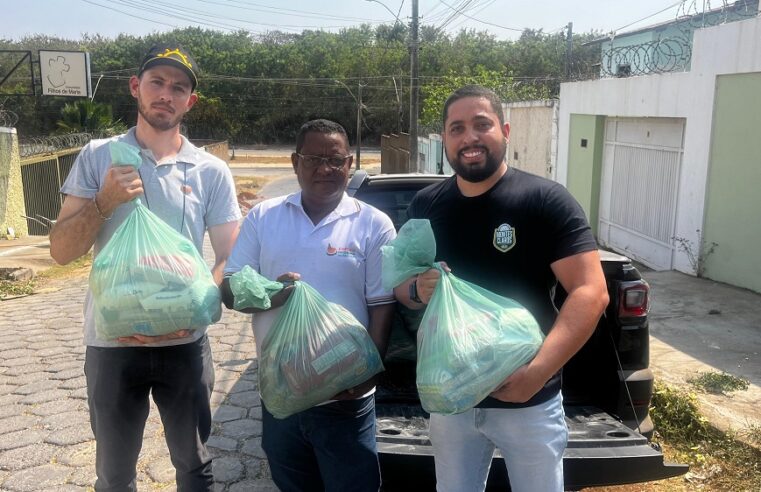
(119, 381)
(326, 448)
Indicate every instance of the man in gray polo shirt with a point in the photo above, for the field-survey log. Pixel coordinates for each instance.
(193, 192)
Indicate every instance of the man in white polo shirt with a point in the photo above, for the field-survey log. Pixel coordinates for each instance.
(332, 242)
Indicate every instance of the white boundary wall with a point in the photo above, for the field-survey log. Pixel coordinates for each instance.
(726, 49)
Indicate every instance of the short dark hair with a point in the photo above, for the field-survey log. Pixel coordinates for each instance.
(475, 91)
(319, 126)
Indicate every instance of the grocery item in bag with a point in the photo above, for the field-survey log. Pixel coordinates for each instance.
(470, 339)
(149, 279)
(314, 350)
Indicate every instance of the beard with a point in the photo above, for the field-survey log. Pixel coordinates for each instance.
(167, 122)
(476, 173)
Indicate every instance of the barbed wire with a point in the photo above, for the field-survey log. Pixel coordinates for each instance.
(8, 118)
(659, 56)
(672, 51)
(706, 14)
(30, 146)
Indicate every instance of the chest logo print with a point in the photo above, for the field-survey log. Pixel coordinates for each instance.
(504, 238)
(333, 251)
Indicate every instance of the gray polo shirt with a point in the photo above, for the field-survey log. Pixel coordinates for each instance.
(191, 193)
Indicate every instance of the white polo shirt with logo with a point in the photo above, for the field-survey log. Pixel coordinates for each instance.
(340, 256)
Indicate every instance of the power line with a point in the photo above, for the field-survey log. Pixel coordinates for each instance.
(297, 13)
(191, 15)
(649, 16)
(130, 15)
(456, 12)
(483, 21)
(186, 9)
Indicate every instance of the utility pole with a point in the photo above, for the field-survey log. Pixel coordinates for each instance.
(413, 164)
(359, 123)
(568, 49)
(400, 115)
(357, 100)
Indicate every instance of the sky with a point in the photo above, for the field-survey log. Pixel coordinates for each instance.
(503, 18)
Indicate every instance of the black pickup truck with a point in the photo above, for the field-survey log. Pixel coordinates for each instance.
(607, 386)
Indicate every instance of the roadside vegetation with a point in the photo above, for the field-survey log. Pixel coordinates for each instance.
(76, 268)
(259, 88)
(46, 279)
(719, 383)
(10, 288)
(719, 461)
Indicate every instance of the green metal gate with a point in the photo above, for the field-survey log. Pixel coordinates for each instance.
(42, 177)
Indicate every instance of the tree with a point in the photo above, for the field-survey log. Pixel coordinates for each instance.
(85, 116)
(261, 88)
(207, 120)
(437, 92)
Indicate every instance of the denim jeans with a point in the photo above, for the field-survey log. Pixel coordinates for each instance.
(326, 448)
(119, 381)
(531, 439)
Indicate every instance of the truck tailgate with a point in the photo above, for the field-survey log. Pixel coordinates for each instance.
(601, 451)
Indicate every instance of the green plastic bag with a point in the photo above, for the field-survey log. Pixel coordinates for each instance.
(149, 279)
(470, 339)
(124, 154)
(413, 251)
(314, 350)
(252, 290)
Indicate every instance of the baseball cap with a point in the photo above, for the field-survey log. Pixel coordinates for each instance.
(172, 55)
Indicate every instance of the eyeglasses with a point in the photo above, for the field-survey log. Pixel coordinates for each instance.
(315, 161)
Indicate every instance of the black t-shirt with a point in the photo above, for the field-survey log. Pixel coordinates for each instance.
(505, 241)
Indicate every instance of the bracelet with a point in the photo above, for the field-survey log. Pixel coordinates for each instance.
(414, 297)
(97, 209)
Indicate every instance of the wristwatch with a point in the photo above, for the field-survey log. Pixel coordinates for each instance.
(413, 293)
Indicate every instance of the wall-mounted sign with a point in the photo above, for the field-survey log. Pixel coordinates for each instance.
(65, 73)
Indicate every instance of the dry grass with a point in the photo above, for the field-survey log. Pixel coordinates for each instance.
(76, 268)
(51, 278)
(57, 276)
(250, 185)
(282, 160)
(718, 460)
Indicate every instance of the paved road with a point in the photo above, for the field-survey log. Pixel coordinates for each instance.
(46, 443)
(45, 438)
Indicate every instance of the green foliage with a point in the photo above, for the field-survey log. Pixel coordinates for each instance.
(676, 415)
(691, 439)
(719, 382)
(10, 288)
(87, 116)
(436, 93)
(260, 89)
(208, 118)
(697, 254)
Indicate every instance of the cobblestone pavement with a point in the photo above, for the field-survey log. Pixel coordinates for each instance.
(45, 438)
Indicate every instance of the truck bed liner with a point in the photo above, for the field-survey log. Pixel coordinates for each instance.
(601, 451)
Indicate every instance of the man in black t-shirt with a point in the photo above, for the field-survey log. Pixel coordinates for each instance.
(515, 234)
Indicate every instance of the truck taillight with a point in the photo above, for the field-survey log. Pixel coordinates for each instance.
(633, 299)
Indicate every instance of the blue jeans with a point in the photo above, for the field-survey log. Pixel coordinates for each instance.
(119, 381)
(531, 439)
(326, 448)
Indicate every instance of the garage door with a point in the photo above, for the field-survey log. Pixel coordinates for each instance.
(639, 188)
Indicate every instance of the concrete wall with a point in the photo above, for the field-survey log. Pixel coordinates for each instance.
(585, 163)
(533, 136)
(726, 49)
(732, 202)
(666, 46)
(395, 153)
(11, 189)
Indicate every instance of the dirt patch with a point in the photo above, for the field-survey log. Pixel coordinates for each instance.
(261, 160)
(247, 190)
